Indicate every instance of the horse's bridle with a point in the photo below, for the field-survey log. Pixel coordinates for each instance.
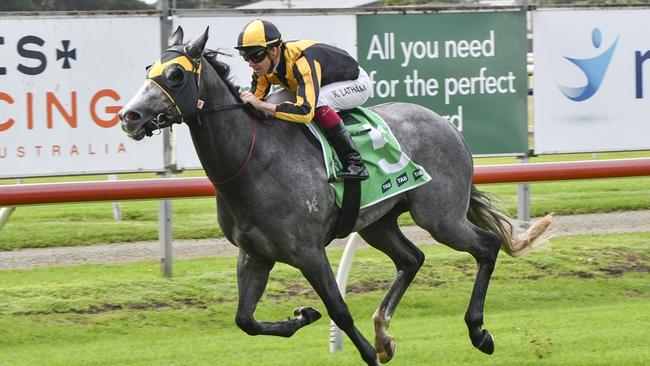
(171, 116)
(168, 118)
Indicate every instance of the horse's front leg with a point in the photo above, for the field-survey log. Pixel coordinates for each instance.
(316, 268)
(252, 277)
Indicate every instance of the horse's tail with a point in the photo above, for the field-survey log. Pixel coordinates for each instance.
(485, 215)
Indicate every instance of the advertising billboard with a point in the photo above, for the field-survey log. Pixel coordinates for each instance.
(469, 67)
(592, 80)
(62, 82)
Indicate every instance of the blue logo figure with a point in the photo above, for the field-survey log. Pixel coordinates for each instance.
(593, 68)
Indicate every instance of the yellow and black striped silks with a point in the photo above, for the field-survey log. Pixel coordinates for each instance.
(304, 67)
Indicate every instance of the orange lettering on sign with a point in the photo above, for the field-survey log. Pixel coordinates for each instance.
(112, 109)
(10, 122)
(30, 111)
(51, 100)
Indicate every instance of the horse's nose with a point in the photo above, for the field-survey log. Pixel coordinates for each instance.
(129, 116)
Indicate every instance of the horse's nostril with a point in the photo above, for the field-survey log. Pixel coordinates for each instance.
(132, 116)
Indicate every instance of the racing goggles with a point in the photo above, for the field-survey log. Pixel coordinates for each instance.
(256, 56)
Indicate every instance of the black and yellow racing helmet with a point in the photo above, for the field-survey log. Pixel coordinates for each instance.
(258, 34)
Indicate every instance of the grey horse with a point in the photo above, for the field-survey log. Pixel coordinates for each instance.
(275, 203)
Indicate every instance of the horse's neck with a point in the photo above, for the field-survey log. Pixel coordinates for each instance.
(222, 138)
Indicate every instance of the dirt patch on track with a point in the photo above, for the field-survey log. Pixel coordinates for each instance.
(589, 224)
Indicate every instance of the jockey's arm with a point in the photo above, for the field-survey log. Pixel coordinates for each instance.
(307, 82)
(302, 111)
(266, 107)
(260, 87)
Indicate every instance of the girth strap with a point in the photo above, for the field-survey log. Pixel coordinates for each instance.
(349, 208)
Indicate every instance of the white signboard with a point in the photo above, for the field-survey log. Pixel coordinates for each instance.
(62, 82)
(337, 30)
(592, 80)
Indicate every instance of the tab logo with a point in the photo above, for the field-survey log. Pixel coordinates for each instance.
(402, 179)
(386, 186)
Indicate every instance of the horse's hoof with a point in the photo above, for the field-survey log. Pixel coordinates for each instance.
(487, 343)
(307, 313)
(386, 350)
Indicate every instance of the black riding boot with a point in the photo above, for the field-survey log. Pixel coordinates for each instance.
(353, 168)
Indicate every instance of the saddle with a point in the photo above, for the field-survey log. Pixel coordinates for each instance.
(391, 170)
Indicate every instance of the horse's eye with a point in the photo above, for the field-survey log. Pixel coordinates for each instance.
(174, 76)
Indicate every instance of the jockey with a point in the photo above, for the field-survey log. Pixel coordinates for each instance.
(324, 79)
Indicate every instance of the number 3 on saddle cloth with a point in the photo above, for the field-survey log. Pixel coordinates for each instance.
(391, 170)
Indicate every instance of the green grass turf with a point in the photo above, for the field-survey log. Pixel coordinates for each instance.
(583, 300)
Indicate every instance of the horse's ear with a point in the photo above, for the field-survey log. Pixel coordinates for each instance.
(196, 49)
(177, 37)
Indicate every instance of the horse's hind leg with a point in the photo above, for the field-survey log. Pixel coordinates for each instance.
(316, 268)
(252, 277)
(462, 235)
(386, 236)
(485, 253)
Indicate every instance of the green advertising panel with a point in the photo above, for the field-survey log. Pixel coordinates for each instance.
(468, 67)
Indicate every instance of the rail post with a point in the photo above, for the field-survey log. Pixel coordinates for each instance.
(342, 274)
(165, 207)
(117, 207)
(523, 199)
(5, 212)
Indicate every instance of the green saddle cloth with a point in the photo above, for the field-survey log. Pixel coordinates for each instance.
(391, 170)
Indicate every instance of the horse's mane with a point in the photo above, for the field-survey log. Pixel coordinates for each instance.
(223, 70)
